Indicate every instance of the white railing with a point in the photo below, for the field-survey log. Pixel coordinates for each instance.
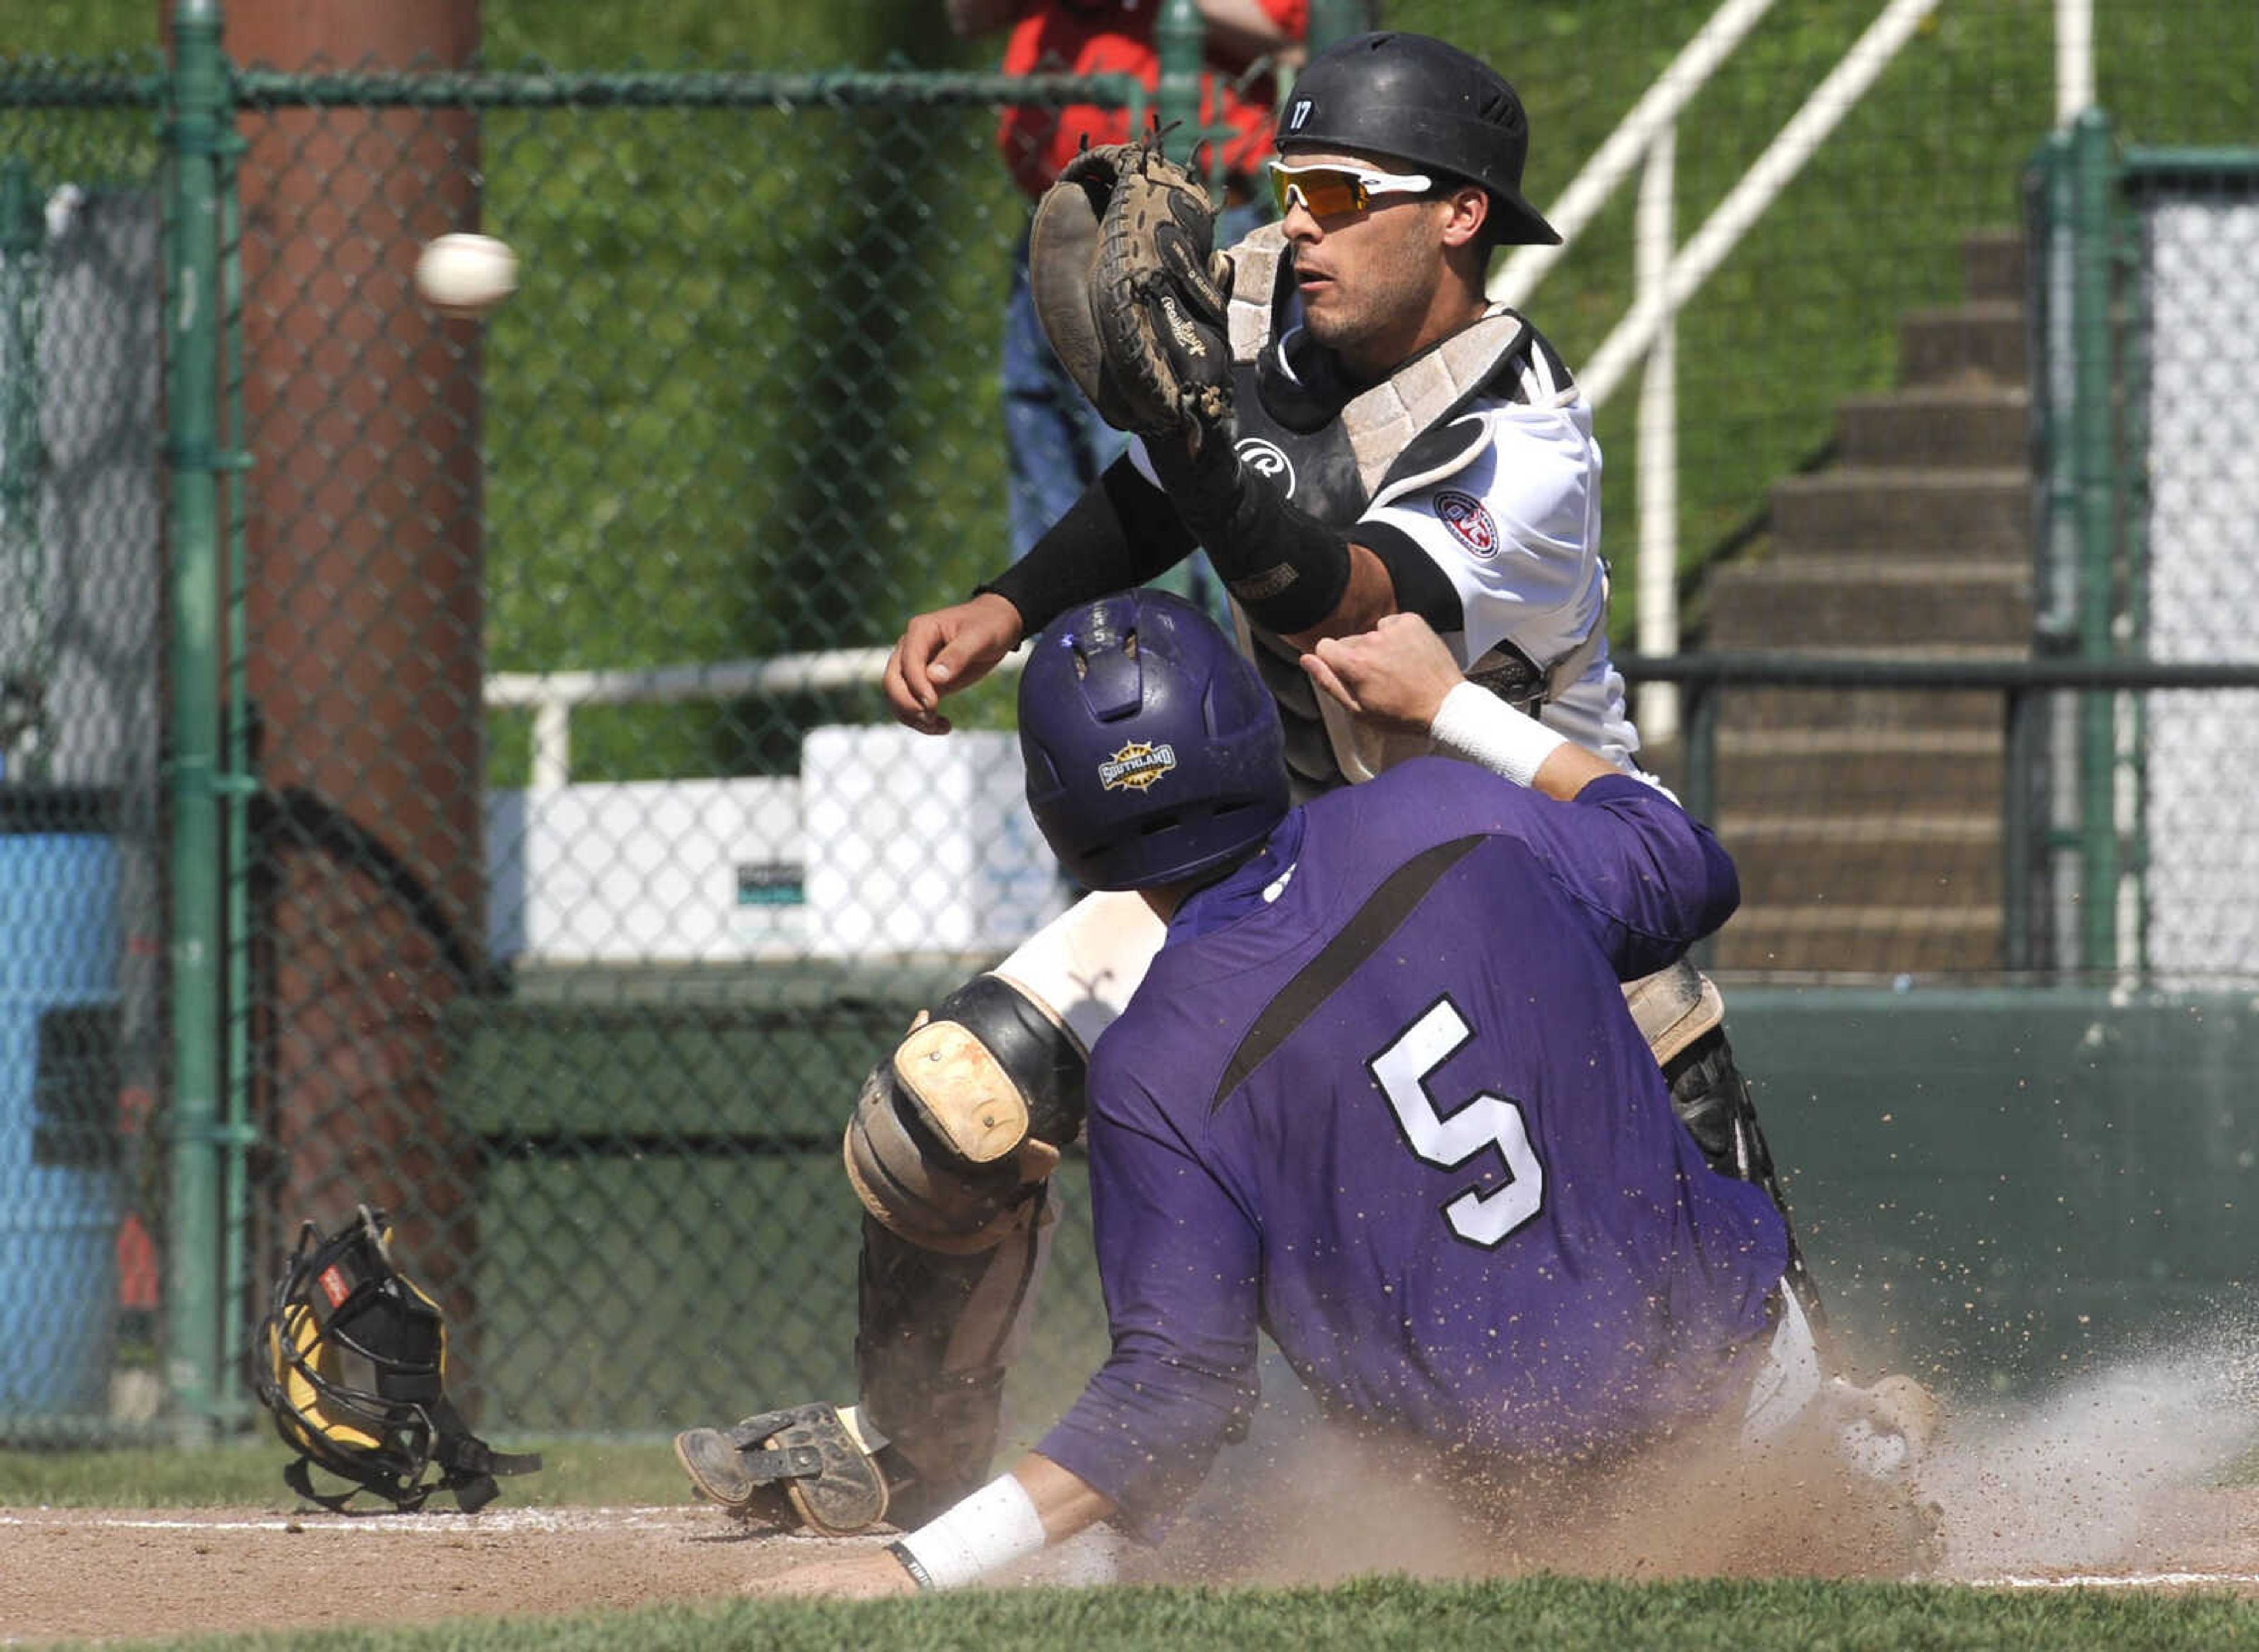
(2074, 59)
(552, 696)
(1665, 280)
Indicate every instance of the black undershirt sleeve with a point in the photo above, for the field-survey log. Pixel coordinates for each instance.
(1422, 588)
(1286, 569)
(1121, 533)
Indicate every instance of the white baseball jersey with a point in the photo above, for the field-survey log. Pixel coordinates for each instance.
(1478, 460)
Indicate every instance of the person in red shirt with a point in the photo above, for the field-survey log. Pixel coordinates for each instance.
(1116, 37)
(1055, 442)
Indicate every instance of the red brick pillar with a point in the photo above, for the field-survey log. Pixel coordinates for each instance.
(364, 612)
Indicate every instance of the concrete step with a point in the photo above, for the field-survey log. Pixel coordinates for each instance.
(1983, 340)
(1994, 264)
(1977, 513)
(1866, 821)
(1906, 859)
(1842, 940)
(1958, 425)
(1882, 773)
(1872, 598)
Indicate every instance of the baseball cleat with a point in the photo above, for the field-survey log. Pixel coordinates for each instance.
(811, 1465)
(717, 1469)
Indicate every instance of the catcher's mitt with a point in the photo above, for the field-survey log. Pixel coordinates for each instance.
(1131, 292)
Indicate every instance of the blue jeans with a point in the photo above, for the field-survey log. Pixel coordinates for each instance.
(1055, 444)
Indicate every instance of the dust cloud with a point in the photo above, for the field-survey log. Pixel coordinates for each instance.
(2100, 1472)
(2105, 1474)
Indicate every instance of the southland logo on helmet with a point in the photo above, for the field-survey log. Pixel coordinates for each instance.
(1135, 767)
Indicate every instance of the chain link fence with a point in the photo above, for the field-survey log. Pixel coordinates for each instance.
(579, 975)
(566, 875)
(2184, 414)
(82, 805)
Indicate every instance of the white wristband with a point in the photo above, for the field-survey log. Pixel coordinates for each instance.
(995, 1526)
(1476, 724)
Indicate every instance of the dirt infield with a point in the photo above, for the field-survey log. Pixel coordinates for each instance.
(2114, 1481)
(232, 1570)
(221, 1569)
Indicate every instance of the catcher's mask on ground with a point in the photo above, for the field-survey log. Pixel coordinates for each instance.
(352, 1360)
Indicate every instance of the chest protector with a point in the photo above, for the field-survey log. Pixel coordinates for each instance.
(1335, 453)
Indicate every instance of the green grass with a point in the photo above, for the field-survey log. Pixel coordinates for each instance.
(249, 1474)
(1542, 1614)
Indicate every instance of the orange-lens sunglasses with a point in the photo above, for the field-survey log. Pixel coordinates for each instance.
(1329, 191)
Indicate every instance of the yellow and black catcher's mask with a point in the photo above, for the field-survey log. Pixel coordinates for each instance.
(352, 1359)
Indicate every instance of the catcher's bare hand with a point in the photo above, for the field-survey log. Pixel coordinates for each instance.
(1394, 675)
(941, 653)
(868, 1575)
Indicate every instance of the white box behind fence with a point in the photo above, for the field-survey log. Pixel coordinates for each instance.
(918, 844)
(888, 842)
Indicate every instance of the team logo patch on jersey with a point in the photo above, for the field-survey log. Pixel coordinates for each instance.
(1469, 520)
(1135, 767)
(1268, 459)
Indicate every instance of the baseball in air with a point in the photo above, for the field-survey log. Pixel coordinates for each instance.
(466, 276)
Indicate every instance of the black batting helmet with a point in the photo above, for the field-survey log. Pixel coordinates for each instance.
(1413, 97)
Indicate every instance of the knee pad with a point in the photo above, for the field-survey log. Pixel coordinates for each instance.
(953, 1131)
(1683, 1017)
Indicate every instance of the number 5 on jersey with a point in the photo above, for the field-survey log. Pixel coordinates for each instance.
(1488, 1121)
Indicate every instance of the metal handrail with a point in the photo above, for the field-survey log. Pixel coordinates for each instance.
(2020, 682)
(1823, 671)
(551, 696)
(264, 88)
(1665, 280)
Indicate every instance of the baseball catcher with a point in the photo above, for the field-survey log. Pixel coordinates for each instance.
(352, 1360)
(1334, 412)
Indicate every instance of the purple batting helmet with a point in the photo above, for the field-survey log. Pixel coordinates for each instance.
(1154, 752)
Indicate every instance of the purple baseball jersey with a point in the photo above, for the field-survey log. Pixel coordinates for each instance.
(1380, 1097)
